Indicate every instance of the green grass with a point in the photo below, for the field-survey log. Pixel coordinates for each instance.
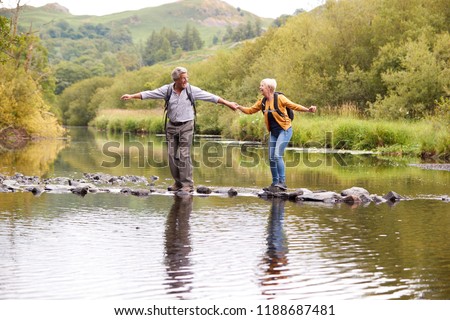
(134, 121)
(426, 139)
(419, 139)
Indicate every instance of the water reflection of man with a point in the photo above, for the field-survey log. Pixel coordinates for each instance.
(275, 260)
(178, 247)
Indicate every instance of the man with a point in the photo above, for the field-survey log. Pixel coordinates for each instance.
(180, 127)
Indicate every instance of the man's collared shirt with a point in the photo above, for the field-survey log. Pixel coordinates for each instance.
(180, 107)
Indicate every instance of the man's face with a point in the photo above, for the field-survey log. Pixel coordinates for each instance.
(182, 81)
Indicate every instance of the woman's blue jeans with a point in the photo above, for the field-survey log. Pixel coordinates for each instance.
(277, 145)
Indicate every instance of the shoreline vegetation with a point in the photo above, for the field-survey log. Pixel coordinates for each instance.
(427, 139)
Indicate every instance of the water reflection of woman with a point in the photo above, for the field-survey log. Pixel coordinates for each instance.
(178, 247)
(275, 260)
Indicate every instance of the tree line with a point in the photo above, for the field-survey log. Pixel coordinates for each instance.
(163, 45)
(241, 32)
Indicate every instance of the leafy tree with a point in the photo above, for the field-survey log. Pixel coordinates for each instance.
(191, 39)
(120, 37)
(22, 105)
(258, 28)
(162, 45)
(5, 40)
(215, 39)
(172, 37)
(228, 34)
(415, 85)
(76, 102)
(165, 51)
(24, 80)
(152, 46)
(130, 60)
(353, 87)
(279, 21)
(243, 31)
(197, 39)
(68, 73)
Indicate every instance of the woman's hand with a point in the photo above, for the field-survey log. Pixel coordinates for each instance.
(239, 107)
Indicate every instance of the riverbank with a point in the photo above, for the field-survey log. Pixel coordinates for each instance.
(425, 139)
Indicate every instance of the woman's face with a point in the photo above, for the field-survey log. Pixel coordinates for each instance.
(264, 89)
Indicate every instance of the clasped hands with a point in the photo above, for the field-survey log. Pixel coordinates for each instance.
(234, 106)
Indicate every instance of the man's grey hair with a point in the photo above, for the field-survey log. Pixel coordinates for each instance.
(177, 72)
(270, 83)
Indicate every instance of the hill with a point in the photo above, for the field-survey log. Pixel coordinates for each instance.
(210, 17)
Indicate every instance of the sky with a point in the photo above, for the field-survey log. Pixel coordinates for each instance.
(262, 8)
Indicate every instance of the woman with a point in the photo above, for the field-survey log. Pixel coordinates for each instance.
(279, 125)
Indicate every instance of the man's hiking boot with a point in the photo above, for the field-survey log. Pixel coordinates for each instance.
(185, 191)
(174, 187)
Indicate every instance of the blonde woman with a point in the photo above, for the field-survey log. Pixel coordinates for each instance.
(279, 125)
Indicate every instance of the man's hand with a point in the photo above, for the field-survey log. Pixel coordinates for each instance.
(233, 106)
(126, 97)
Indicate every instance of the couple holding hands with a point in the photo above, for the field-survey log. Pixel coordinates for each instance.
(180, 127)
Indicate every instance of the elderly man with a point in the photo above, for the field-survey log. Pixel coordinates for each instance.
(180, 103)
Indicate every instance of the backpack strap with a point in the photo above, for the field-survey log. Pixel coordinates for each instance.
(275, 104)
(289, 111)
(263, 105)
(191, 98)
(166, 104)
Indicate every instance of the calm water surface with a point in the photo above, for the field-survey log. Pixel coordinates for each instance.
(62, 246)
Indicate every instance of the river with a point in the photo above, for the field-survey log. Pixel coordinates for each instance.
(111, 245)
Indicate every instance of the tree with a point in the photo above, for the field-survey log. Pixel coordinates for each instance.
(5, 40)
(418, 81)
(76, 102)
(172, 37)
(68, 73)
(191, 39)
(23, 82)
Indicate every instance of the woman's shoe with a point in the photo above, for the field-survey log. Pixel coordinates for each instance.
(281, 185)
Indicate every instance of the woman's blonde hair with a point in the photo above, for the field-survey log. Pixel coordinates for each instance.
(270, 83)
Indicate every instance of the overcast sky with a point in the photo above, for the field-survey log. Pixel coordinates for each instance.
(262, 8)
